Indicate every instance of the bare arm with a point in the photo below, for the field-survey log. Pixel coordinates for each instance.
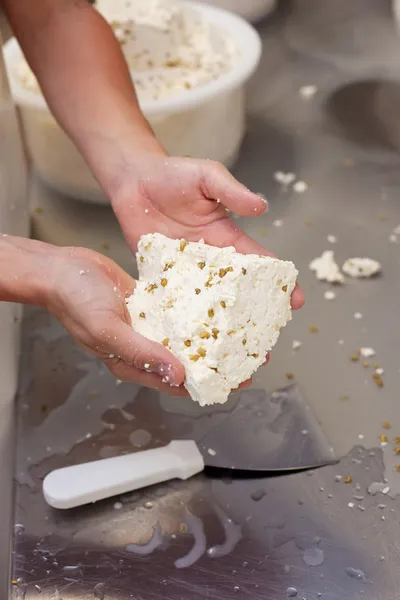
(23, 273)
(86, 82)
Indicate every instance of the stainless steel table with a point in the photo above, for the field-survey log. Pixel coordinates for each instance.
(333, 533)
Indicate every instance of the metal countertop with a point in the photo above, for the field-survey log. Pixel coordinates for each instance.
(222, 538)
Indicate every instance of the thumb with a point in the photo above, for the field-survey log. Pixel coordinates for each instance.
(218, 184)
(143, 354)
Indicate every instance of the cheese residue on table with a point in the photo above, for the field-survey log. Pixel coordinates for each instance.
(218, 311)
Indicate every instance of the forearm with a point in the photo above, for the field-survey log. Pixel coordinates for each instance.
(25, 267)
(85, 80)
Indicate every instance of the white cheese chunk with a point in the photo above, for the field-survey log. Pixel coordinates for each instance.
(218, 311)
(361, 267)
(326, 269)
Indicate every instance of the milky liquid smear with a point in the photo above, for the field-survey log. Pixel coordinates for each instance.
(194, 525)
(233, 534)
(145, 549)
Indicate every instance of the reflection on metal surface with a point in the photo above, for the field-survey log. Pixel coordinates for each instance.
(207, 536)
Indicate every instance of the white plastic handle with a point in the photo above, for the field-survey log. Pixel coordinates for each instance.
(89, 482)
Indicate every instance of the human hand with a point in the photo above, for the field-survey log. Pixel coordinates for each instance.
(187, 198)
(87, 292)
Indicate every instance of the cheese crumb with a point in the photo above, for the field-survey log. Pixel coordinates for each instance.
(308, 91)
(277, 223)
(367, 352)
(284, 178)
(361, 267)
(358, 316)
(326, 269)
(296, 344)
(250, 302)
(332, 239)
(300, 187)
(329, 295)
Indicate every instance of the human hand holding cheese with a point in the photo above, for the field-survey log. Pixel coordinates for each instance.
(87, 292)
(221, 310)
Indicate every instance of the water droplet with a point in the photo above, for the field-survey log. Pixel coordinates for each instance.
(258, 495)
(140, 438)
(355, 574)
(291, 592)
(313, 557)
(148, 505)
(236, 588)
(378, 487)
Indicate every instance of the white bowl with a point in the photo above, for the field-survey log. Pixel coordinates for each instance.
(252, 10)
(204, 122)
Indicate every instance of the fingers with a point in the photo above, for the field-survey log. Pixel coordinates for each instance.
(124, 372)
(140, 353)
(219, 185)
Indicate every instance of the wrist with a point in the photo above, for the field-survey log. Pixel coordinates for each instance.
(26, 270)
(119, 161)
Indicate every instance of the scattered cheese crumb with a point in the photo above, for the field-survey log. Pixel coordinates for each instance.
(361, 267)
(367, 352)
(300, 187)
(394, 235)
(358, 316)
(326, 269)
(329, 295)
(308, 91)
(296, 344)
(211, 451)
(284, 178)
(277, 223)
(332, 239)
(379, 371)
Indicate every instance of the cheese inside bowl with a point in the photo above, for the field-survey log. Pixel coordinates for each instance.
(204, 121)
(252, 10)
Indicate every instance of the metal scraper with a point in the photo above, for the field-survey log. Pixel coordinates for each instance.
(263, 433)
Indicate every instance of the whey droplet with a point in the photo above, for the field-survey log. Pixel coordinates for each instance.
(355, 574)
(313, 557)
(258, 495)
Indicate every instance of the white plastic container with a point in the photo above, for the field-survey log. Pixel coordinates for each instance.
(204, 122)
(252, 10)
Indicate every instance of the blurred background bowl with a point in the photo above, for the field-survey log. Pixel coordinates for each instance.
(207, 121)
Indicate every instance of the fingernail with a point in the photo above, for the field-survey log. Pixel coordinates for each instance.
(167, 373)
(263, 199)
